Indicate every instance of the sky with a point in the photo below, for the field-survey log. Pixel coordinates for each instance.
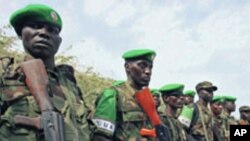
(195, 40)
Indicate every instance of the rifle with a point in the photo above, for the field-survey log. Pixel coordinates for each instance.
(50, 122)
(146, 101)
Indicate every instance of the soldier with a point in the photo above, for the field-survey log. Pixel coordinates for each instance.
(118, 116)
(156, 95)
(185, 113)
(244, 115)
(229, 107)
(218, 121)
(189, 97)
(39, 26)
(172, 96)
(201, 124)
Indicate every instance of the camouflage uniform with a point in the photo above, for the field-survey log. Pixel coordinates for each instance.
(119, 116)
(16, 99)
(176, 129)
(219, 127)
(171, 96)
(229, 120)
(244, 115)
(201, 125)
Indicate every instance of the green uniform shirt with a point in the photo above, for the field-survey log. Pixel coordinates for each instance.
(119, 116)
(16, 99)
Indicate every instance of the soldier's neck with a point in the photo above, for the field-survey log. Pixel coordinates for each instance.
(202, 102)
(134, 85)
(49, 63)
(170, 111)
(227, 111)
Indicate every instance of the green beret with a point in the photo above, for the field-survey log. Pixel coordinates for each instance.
(137, 53)
(189, 93)
(205, 85)
(155, 92)
(230, 98)
(36, 12)
(172, 89)
(218, 98)
(244, 108)
(118, 82)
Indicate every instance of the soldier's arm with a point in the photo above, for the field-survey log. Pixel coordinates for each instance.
(104, 118)
(195, 115)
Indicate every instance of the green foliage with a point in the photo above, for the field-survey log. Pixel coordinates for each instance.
(6, 42)
(62, 58)
(92, 84)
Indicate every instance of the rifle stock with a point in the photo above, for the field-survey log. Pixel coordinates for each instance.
(37, 81)
(146, 101)
(51, 122)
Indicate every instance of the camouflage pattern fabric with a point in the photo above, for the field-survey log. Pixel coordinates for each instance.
(119, 116)
(176, 129)
(229, 120)
(220, 126)
(16, 99)
(197, 130)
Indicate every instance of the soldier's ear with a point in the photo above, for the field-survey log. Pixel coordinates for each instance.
(60, 39)
(165, 98)
(127, 66)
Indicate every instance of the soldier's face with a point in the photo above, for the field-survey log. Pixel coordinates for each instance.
(157, 101)
(248, 115)
(244, 115)
(216, 108)
(230, 105)
(41, 40)
(206, 94)
(188, 100)
(139, 71)
(175, 101)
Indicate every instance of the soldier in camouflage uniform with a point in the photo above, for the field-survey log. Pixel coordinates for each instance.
(118, 116)
(201, 124)
(189, 97)
(218, 121)
(229, 107)
(38, 26)
(172, 96)
(156, 95)
(244, 115)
